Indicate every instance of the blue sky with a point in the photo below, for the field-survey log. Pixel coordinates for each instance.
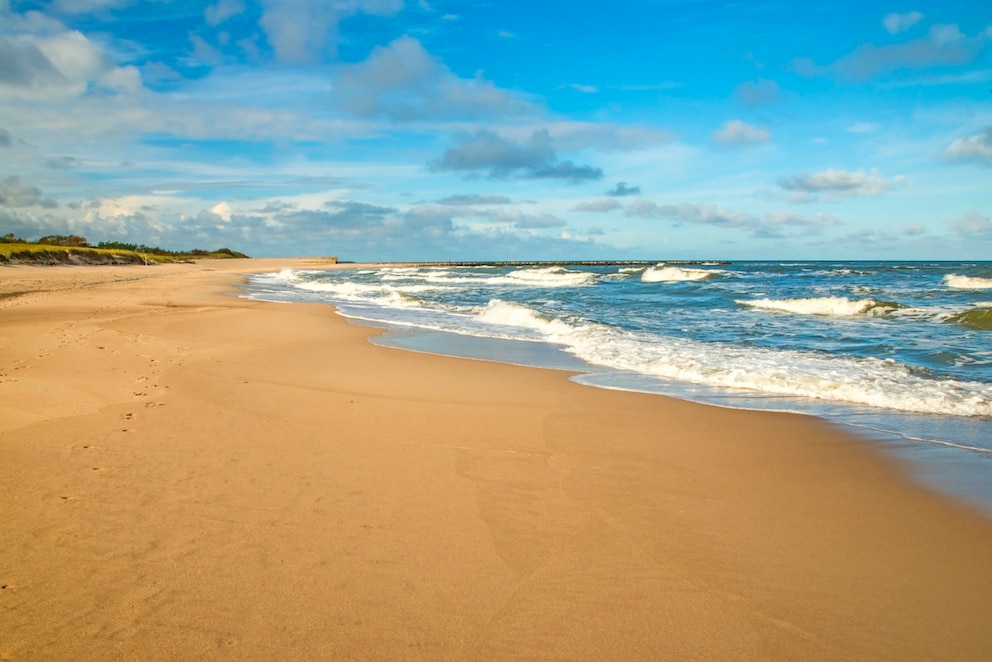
(450, 129)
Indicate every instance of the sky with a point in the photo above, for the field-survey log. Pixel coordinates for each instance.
(377, 130)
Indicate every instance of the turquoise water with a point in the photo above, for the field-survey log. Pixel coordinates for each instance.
(901, 350)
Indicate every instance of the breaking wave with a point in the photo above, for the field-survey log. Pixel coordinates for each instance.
(957, 282)
(668, 274)
(831, 306)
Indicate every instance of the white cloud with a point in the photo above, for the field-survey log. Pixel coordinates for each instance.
(303, 30)
(487, 152)
(837, 183)
(943, 45)
(222, 210)
(15, 193)
(221, 11)
(598, 206)
(736, 133)
(402, 81)
(470, 199)
(896, 23)
(61, 66)
(973, 224)
(975, 147)
(693, 213)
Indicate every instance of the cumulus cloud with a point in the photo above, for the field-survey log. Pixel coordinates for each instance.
(487, 152)
(943, 45)
(6, 140)
(63, 65)
(837, 183)
(621, 189)
(736, 133)
(303, 30)
(757, 93)
(598, 206)
(896, 23)
(356, 212)
(15, 193)
(469, 199)
(975, 147)
(973, 224)
(402, 81)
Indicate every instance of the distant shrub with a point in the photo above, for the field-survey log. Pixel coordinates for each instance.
(64, 240)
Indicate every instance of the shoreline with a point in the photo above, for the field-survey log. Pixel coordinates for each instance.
(193, 474)
(944, 451)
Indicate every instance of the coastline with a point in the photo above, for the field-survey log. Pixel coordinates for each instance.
(190, 475)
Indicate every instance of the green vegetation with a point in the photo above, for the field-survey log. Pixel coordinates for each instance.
(74, 249)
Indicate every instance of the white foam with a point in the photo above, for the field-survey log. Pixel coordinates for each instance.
(872, 382)
(833, 306)
(507, 313)
(957, 282)
(283, 277)
(551, 277)
(666, 274)
(382, 295)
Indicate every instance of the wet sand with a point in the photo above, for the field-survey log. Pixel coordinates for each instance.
(190, 475)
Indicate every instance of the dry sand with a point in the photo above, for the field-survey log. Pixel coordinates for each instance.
(187, 475)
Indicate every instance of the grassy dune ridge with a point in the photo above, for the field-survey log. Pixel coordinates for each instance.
(23, 252)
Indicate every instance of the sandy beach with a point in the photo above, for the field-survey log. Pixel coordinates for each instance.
(189, 475)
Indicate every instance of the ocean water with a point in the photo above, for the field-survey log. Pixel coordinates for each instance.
(901, 351)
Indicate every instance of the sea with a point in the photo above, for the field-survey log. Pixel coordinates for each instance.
(899, 352)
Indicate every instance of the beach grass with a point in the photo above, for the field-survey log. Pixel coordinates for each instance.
(49, 254)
